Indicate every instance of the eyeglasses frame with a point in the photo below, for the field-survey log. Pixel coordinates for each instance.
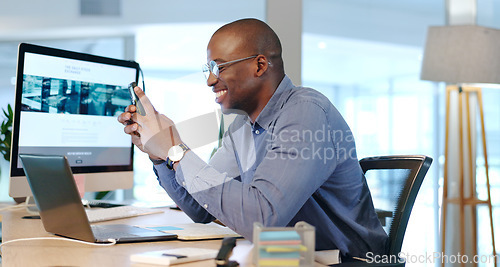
(216, 67)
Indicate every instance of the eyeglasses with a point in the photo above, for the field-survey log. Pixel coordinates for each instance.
(213, 67)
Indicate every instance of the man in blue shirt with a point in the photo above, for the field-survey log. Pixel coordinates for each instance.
(289, 155)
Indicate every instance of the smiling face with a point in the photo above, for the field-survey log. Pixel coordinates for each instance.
(247, 84)
(237, 87)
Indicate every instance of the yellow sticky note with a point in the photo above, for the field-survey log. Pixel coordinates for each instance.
(285, 248)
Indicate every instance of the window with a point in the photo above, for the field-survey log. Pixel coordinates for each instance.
(367, 61)
(376, 87)
(171, 57)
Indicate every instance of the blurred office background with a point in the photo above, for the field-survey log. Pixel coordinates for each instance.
(364, 55)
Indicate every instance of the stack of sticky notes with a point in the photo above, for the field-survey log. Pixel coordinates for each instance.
(280, 248)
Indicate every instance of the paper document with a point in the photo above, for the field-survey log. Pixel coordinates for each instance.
(173, 256)
(327, 257)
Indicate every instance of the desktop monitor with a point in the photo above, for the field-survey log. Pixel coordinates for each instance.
(67, 104)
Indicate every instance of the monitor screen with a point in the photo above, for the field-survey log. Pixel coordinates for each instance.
(67, 104)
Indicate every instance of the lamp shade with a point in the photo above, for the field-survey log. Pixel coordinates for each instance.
(462, 54)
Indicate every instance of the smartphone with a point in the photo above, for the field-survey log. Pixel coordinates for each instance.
(135, 100)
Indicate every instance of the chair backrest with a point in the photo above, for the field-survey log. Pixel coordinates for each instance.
(417, 166)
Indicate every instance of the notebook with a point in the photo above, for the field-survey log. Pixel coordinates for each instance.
(195, 231)
(56, 195)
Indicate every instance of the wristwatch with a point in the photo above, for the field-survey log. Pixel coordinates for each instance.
(175, 154)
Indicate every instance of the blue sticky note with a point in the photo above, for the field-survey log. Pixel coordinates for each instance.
(279, 235)
(165, 228)
(285, 255)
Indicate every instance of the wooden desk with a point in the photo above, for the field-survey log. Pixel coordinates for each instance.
(63, 253)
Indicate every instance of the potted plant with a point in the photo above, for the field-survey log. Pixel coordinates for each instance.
(6, 132)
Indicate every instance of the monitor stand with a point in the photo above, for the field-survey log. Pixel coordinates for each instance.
(31, 206)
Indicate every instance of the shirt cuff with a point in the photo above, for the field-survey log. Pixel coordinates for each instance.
(189, 167)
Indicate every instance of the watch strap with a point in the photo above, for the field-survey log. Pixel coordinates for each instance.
(170, 164)
(184, 147)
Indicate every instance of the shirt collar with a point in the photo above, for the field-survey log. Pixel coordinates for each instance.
(270, 111)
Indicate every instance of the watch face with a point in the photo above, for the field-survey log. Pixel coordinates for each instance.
(175, 153)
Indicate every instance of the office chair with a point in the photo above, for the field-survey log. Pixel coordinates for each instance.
(415, 168)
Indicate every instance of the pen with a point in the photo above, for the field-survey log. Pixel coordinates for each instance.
(31, 217)
(174, 255)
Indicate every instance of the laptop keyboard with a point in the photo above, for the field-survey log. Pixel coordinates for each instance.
(99, 215)
(102, 234)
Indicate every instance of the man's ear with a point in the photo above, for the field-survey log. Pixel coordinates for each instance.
(262, 65)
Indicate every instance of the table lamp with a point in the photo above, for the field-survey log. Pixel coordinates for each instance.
(461, 56)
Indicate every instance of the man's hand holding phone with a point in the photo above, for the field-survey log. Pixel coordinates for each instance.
(135, 99)
(153, 133)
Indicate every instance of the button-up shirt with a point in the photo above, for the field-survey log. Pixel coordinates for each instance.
(296, 162)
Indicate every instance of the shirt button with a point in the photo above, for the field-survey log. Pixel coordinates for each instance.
(205, 206)
(257, 132)
(183, 183)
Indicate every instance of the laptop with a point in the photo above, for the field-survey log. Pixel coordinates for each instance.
(61, 210)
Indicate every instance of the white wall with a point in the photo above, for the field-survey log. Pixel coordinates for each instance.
(61, 18)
